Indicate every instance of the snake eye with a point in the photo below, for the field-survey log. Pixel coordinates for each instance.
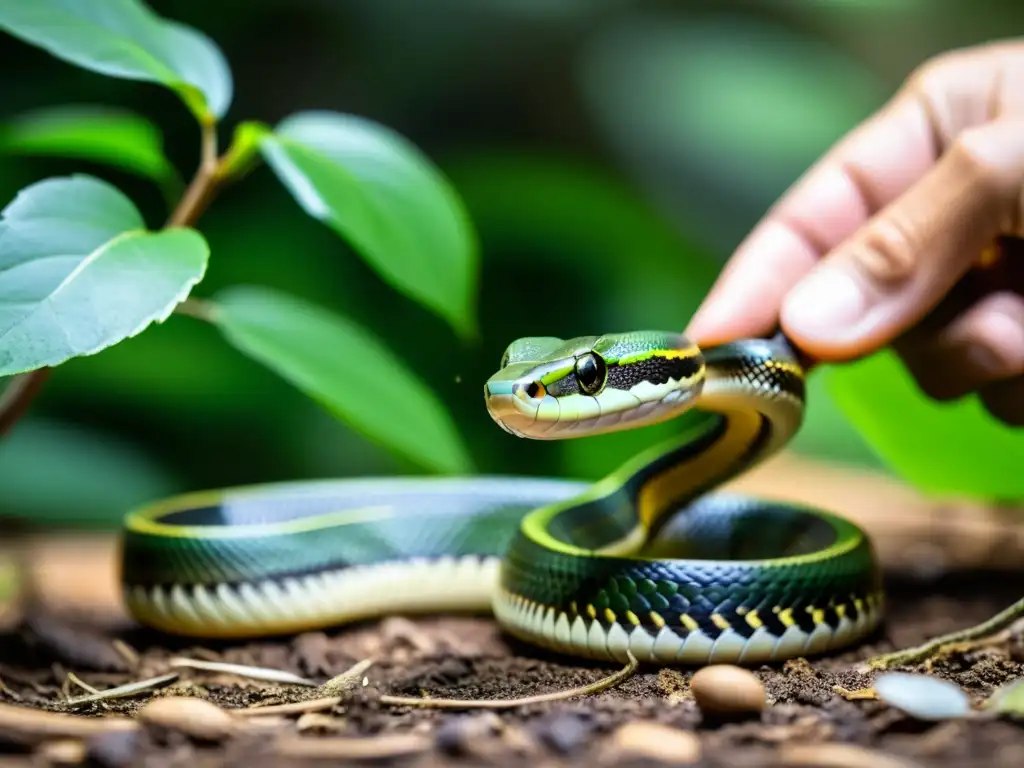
(591, 373)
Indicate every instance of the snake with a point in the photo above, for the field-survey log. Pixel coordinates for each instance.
(653, 560)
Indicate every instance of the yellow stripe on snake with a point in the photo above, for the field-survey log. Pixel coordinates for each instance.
(647, 560)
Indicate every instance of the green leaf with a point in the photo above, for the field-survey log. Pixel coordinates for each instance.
(244, 150)
(100, 134)
(126, 39)
(379, 192)
(827, 434)
(1008, 699)
(79, 272)
(346, 369)
(943, 448)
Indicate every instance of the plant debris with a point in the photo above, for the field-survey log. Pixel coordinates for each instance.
(329, 696)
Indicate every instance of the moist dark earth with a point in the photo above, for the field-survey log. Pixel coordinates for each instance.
(44, 650)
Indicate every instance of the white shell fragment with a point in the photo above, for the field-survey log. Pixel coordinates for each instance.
(923, 696)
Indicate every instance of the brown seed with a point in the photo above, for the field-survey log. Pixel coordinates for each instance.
(194, 717)
(727, 690)
(655, 741)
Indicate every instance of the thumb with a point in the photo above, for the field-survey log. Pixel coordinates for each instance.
(891, 272)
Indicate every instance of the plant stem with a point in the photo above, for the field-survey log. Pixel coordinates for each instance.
(15, 400)
(19, 394)
(197, 308)
(204, 184)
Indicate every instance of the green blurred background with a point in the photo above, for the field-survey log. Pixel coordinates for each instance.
(611, 154)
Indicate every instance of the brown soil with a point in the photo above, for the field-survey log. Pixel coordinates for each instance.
(807, 722)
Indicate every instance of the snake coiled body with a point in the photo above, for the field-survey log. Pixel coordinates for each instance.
(647, 560)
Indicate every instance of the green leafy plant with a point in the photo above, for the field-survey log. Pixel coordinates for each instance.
(80, 271)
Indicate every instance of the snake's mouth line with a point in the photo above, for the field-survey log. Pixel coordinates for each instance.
(524, 420)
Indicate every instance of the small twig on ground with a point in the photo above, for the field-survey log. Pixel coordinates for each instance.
(21, 679)
(585, 690)
(347, 680)
(860, 694)
(121, 691)
(256, 673)
(294, 708)
(126, 652)
(4, 689)
(74, 679)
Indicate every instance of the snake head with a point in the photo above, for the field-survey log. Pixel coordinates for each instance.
(549, 388)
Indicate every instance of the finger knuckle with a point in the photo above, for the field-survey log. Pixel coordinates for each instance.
(886, 251)
(982, 164)
(930, 76)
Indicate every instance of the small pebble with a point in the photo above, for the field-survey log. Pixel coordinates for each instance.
(194, 717)
(727, 690)
(461, 735)
(565, 733)
(654, 741)
(62, 752)
(114, 749)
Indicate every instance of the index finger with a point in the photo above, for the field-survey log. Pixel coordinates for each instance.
(870, 167)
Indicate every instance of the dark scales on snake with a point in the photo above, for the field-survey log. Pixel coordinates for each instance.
(648, 561)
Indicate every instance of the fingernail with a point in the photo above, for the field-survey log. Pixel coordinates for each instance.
(826, 304)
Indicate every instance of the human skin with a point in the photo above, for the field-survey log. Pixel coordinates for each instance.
(880, 243)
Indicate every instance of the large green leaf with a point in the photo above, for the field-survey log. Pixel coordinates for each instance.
(346, 369)
(124, 38)
(377, 190)
(944, 448)
(97, 133)
(79, 272)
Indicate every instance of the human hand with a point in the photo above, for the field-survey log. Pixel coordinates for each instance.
(882, 241)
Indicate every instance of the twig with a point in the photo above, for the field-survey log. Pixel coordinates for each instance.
(256, 673)
(294, 708)
(76, 680)
(584, 690)
(347, 680)
(19, 395)
(5, 689)
(124, 690)
(126, 652)
(201, 190)
(203, 186)
(197, 308)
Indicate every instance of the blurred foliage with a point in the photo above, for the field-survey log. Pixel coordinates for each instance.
(952, 447)
(609, 154)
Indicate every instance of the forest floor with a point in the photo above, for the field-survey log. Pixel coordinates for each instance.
(947, 568)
